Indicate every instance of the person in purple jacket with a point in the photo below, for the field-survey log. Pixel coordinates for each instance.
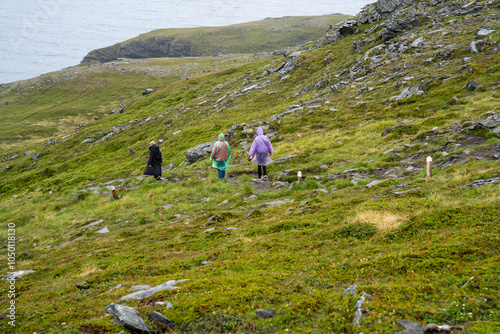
(260, 152)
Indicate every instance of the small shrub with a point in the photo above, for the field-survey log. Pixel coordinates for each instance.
(343, 183)
(359, 231)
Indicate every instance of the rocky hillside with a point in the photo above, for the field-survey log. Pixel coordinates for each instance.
(253, 37)
(392, 119)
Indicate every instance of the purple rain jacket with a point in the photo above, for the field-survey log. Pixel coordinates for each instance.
(261, 148)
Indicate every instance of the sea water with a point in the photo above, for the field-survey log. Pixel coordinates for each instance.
(40, 36)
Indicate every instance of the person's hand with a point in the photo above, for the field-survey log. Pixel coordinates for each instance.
(150, 166)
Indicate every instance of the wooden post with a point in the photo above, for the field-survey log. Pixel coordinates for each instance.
(113, 192)
(299, 177)
(429, 167)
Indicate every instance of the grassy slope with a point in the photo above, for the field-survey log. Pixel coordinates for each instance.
(252, 37)
(430, 255)
(57, 102)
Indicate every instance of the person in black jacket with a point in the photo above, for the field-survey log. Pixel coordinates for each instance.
(155, 161)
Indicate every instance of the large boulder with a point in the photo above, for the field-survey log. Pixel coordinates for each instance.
(196, 153)
(128, 318)
(349, 28)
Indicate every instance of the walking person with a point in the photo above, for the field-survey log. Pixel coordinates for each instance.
(261, 152)
(221, 154)
(154, 162)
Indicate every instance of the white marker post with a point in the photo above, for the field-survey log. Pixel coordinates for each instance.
(299, 176)
(429, 167)
(113, 192)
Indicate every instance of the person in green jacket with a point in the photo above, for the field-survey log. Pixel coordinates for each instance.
(221, 154)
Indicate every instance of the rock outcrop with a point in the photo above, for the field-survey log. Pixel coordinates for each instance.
(129, 318)
(153, 47)
(196, 153)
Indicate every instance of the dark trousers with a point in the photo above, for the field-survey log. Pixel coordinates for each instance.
(260, 169)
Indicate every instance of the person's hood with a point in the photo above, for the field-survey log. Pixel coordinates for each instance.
(154, 147)
(260, 132)
(222, 137)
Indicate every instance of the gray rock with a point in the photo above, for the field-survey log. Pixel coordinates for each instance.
(351, 290)
(210, 229)
(149, 292)
(250, 198)
(265, 314)
(406, 191)
(395, 27)
(418, 42)
(17, 274)
(11, 157)
(140, 287)
(417, 88)
(349, 28)
(491, 121)
(106, 137)
(471, 85)
(116, 287)
(214, 218)
(484, 32)
(103, 230)
(249, 214)
(160, 320)
(290, 64)
(94, 223)
(28, 153)
(406, 93)
(198, 152)
(357, 308)
(280, 53)
(36, 156)
(389, 6)
(49, 142)
(131, 152)
(373, 183)
(388, 130)
(443, 329)
(288, 157)
(478, 183)
(128, 318)
(147, 91)
(110, 182)
(410, 327)
(277, 203)
(465, 10)
(475, 46)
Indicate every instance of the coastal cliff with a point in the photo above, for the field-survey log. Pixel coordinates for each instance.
(253, 37)
(153, 47)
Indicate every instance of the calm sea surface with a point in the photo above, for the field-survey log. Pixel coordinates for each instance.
(40, 36)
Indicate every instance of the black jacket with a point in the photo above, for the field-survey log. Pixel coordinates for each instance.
(154, 161)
